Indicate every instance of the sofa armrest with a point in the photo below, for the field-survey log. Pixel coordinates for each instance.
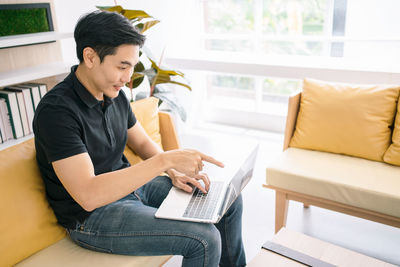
(293, 110)
(169, 136)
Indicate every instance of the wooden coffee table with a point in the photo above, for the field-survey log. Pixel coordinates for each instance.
(313, 247)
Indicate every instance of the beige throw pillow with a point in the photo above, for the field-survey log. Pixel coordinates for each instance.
(347, 119)
(146, 112)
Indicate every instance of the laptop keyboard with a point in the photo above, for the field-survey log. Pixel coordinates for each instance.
(202, 206)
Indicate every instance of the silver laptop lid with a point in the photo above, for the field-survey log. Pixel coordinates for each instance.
(240, 180)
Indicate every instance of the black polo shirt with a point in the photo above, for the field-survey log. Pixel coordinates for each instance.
(69, 121)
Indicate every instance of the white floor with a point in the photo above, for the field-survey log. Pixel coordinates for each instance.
(366, 237)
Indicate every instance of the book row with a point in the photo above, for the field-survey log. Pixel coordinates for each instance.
(17, 108)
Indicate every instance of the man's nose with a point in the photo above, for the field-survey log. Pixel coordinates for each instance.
(126, 77)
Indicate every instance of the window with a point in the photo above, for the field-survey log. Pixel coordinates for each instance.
(267, 27)
(261, 49)
(273, 27)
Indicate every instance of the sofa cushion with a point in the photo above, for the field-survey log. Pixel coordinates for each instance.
(392, 155)
(27, 223)
(354, 181)
(347, 119)
(65, 253)
(146, 112)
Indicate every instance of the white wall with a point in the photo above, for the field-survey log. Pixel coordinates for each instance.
(68, 12)
(373, 18)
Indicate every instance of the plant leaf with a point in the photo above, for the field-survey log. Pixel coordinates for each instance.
(172, 102)
(135, 14)
(139, 67)
(169, 72)
(182, 84)
(164, 76)
(117, 9)
(137, 79)
(147, 25)
(137, 76)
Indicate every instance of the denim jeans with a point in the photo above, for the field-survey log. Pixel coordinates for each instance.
(128, 227)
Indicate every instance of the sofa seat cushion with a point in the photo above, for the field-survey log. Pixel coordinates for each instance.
(65, 253)
(354, 181)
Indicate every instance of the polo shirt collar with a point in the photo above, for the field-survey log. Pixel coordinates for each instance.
(84, 94)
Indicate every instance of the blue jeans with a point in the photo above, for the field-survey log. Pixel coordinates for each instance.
(128, 227)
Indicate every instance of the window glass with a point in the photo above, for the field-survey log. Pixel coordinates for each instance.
(258, 26)
(306, 17)
(231, 91)
(228, 16)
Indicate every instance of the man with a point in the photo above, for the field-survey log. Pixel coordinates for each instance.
(81, 128)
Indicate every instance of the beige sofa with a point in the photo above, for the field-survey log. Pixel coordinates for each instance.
(310, 173)
(30, 235)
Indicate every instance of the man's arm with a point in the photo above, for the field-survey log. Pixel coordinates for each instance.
(145, 147)
(91, 191)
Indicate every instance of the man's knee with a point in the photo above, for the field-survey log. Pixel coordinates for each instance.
(237, 207)
(205, 241)
(212, 238)
(154, 192)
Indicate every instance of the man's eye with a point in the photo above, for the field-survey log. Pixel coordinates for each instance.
(122, 68)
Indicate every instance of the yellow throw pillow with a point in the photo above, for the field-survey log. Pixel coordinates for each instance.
(347, 119)
(392, 155)
(27, 223)
(146, 112)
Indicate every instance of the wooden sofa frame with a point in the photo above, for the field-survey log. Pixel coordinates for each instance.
(282, 196)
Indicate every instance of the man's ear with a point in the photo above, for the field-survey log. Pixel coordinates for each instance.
(89, 57)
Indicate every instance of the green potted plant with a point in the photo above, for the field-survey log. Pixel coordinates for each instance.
(157, 77)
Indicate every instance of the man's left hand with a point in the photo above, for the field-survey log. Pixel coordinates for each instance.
(182, 181)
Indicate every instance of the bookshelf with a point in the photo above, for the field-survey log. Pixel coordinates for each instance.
(32, 38)
(33, 73)
(35, 57)
(50, 69)
(50, 73)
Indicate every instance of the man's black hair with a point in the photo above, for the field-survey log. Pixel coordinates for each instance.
(104, 31)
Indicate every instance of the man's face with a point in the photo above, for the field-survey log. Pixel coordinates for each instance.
(115, 70)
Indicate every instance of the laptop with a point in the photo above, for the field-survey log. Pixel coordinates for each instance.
(210, 207)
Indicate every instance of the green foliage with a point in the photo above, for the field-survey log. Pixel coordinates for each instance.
(21, 21)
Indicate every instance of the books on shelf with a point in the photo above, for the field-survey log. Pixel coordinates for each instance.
(5, 121)
(22, 109)
(13, 113)
(35, 93)
(28, 112)
(17, 108)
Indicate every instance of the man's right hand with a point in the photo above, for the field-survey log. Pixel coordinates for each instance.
(189, 161)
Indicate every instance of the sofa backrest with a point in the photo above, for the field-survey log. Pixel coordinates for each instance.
(28, 223)
(355, 120)
(293, 111)
(158, 125)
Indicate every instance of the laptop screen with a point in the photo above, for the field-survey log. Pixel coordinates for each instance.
(240, 180)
